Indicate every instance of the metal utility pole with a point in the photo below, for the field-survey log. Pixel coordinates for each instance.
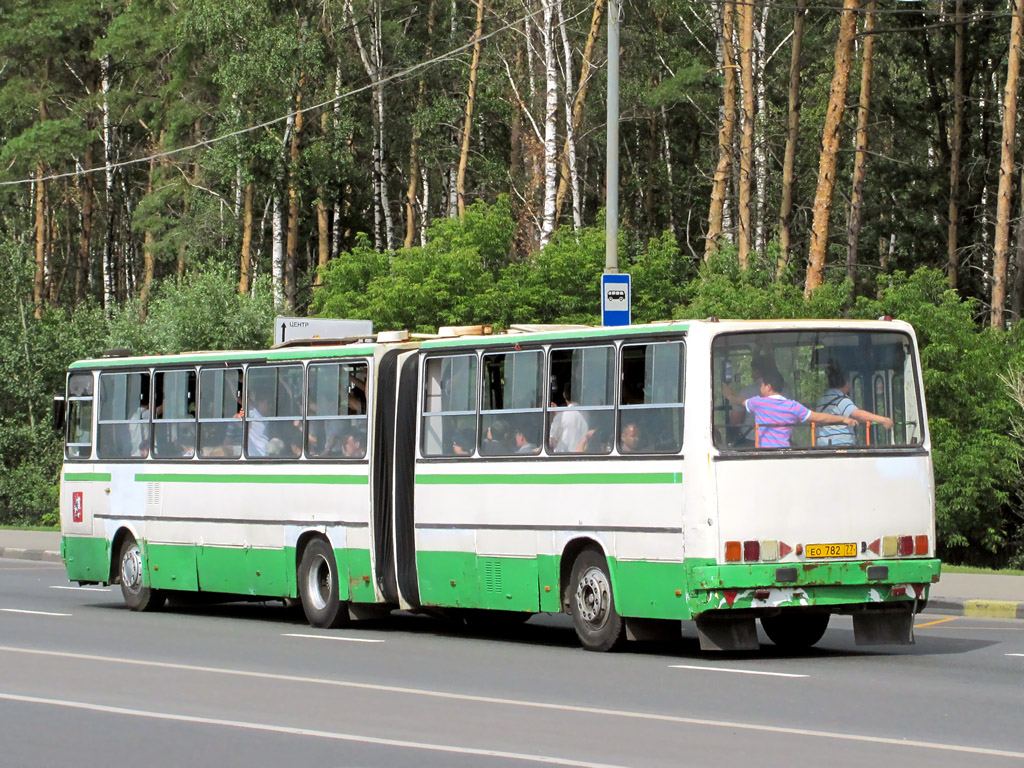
(611, 249)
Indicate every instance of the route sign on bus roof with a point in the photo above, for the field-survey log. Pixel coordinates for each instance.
(616, 299)
(294, 328)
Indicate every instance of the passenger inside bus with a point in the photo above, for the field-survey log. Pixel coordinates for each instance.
(569, 427)
(836, 400)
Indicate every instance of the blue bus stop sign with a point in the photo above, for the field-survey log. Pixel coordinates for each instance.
(616, 299)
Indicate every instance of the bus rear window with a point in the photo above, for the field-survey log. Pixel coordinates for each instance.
(769, 387)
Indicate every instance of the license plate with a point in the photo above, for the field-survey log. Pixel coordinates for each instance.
(846, 549)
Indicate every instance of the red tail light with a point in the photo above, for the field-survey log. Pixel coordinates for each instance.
(751, 551)
(906, 545)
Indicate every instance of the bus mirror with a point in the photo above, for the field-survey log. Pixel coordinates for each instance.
(59, 414)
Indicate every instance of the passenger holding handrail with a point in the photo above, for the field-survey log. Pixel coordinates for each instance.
(775, 415)
(836, 400)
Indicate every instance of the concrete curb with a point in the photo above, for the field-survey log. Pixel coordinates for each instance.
(45, 555)
(988, 609)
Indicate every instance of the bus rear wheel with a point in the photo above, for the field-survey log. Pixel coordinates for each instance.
(598, 625)
(318, 586)
(136, 595)
(795, 631)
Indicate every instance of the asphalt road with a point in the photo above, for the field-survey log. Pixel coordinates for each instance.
(84, 682)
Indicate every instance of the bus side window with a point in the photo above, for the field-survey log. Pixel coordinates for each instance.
(174, 416)
(582, 407)
(512, 417)
(220, 407)
(449, 406)
(79, 416)
(273, 415)
(336, 411)
(124, 416)
(651, 398)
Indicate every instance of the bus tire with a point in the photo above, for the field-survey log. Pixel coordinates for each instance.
(795, 631)
(318, 586)
(598, 625)
(136, 595)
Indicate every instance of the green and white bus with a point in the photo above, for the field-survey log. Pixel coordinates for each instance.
(601, 472)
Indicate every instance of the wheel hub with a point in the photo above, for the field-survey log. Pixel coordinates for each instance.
(318, 583)
(593, 596)
(131, 569)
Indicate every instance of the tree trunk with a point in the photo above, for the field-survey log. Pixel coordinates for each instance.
(1002, 236)
(793, 133)
(547, 227)
(245, 270)
(290, 276)
(830, 148)
(952, 255)
(570, 132)
(39, 282)
(85, 232)
(725, 134)
(148, 243)
(109, 275)
(1017, 301)
(760, 136)
(568, 172)
(414, 160)
(861, 142)
(746, 13)
(467, 125)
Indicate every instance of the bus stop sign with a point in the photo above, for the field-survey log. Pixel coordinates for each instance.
(616, 299)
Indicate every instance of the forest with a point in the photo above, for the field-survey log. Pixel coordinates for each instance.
(174, 174)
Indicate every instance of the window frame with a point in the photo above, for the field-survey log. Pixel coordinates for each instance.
(301, 416)
(145, 424)
(367, 363)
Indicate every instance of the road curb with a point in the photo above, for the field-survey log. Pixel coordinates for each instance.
(988, 609)
(45, 555)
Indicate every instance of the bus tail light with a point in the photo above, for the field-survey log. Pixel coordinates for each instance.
(733, 551)
(906, 545)
(898, 591)
(920, 545)
(769, 551)
(890, 546)
(751, 551)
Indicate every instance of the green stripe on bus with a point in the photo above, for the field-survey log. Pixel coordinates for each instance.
(85, 477)
(264, 479)
(202, 358)
(572, 478)
(580, 334)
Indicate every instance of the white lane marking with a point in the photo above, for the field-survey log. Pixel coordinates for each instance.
(628, 714)
(83, 589)
(734, 671)
(329, 637)
(546, 759)
(34, 613)
(1015, 654)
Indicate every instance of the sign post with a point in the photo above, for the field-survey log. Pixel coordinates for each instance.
(616, 299)
(295, 328)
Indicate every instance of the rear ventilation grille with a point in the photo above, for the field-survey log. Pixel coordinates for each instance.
(152, 494)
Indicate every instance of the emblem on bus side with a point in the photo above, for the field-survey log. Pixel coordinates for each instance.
(76, 507)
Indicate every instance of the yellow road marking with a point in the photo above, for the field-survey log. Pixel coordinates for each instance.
(933, 623)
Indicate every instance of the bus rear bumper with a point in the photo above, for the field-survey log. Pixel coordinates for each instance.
(838, 586)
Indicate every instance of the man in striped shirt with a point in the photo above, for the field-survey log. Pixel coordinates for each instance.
(776, 415)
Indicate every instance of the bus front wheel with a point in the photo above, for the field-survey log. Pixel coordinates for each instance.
(318, 586)
(795, 631)
(598, 625)
(136, 595)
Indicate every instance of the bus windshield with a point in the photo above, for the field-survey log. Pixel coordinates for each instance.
(867, 376)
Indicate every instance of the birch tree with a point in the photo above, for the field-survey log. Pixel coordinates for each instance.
(550, 123)
(467, 126)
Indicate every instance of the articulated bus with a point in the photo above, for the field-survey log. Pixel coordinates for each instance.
(601, 472)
